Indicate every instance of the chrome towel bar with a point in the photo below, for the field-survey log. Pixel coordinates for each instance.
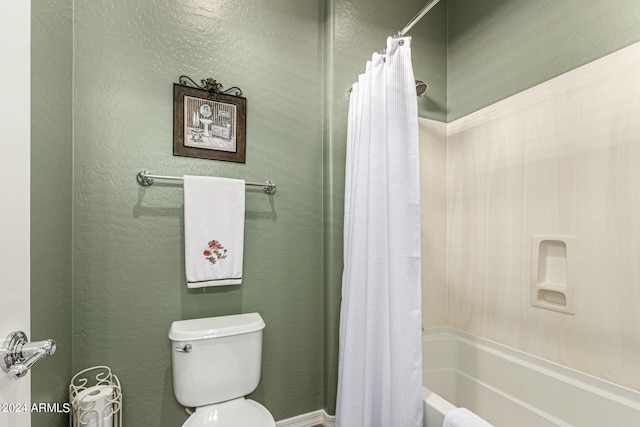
(146, 179)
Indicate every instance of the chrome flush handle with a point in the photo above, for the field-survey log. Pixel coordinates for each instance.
(186, 349)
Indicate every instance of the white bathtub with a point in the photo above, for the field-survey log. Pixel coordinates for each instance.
(510, 388)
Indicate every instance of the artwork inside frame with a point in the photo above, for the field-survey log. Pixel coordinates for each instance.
(208, 124)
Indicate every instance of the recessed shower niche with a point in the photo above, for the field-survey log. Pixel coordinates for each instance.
(553, 273)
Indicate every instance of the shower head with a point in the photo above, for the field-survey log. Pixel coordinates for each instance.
(421, 87)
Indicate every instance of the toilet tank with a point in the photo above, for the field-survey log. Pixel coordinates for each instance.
(216, 358)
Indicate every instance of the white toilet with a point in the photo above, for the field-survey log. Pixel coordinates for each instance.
(216, 362)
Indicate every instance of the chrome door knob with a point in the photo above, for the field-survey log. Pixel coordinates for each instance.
(18, 355)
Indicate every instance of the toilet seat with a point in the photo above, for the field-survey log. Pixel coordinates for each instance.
(234, 413)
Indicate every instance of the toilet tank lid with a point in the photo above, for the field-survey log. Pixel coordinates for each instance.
(215, 327)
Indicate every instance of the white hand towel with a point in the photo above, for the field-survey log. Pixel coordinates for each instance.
(213, 230)
(462, 417)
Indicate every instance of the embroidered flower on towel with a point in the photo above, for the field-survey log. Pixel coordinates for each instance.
(214, 252)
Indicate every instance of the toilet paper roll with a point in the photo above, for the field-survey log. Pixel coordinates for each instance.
(92, 406)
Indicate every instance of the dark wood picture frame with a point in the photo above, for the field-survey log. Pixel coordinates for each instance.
(209, 125)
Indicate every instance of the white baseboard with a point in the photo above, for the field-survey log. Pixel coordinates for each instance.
(328, 420)
(308, 420)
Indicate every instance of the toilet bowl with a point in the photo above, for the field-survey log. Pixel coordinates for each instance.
(216, 362)
(238, 412)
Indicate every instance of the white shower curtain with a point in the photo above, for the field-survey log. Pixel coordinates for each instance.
(380, 361)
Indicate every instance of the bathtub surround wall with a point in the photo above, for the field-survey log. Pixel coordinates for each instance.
(433, 221)
(558, 159)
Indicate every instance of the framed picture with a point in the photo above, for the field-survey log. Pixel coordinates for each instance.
(208, 124)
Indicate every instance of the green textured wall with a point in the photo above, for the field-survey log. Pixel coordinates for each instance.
(497, 48)
(51, 196)
(129, 280)
(354, 30)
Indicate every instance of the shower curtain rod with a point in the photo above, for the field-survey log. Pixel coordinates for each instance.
(427, 7)
(146, 179)
(421, 87)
